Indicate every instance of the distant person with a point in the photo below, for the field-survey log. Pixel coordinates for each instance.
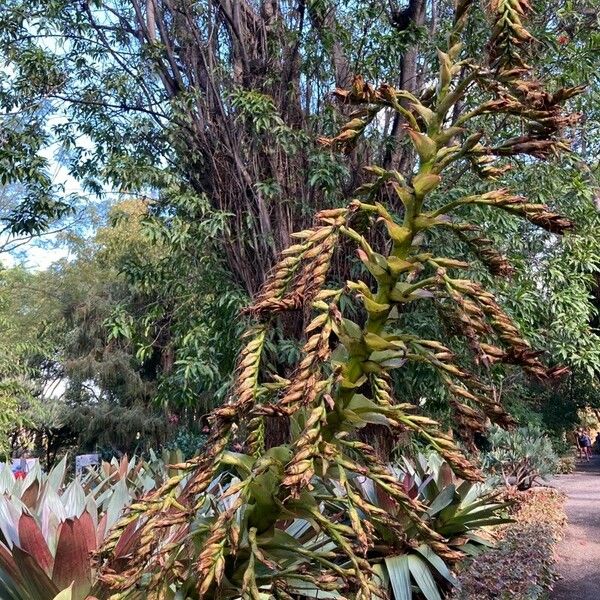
(585, 441)
(578, 435)
(597, 442)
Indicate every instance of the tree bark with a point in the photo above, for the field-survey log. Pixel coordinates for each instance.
(400, 157)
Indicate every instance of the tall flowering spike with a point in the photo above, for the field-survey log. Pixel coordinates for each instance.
(541, 216)
(307, 384)
(215, 527)
(302, 268)
(246, 383)
(300, 470)
(461, 14)
(508, 34)
(485, 251)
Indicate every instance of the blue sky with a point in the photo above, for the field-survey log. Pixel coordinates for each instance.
(40, 252)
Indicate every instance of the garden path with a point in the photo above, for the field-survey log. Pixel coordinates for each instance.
(579, 551)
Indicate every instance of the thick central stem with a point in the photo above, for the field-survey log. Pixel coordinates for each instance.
(354, 369)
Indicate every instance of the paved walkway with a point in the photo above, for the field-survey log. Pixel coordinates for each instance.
(579, 551)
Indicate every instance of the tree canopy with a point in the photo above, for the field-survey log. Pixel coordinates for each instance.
(198, 123)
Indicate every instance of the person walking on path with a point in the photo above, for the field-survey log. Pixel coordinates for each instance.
(578, 434)
(585, 443)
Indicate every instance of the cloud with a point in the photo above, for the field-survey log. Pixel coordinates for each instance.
(39, 259)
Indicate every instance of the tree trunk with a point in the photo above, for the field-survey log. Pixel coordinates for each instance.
(413, 16)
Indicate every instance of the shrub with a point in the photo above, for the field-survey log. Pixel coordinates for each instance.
(455, 509)
(49, 527)
(519, 457)
(562, 447)
(566, 465)
(521, 567)
(138, 475)
(187, 441)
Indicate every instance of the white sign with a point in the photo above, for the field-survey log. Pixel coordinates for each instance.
(85, 460)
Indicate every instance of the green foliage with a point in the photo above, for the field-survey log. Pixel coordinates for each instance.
(138, 475)
(124, 330)
(553, 292)
(518, 458)
(112, 430)
(560, 405)
(524, 411)
(83, 388)
(188, 442)
(29, 200)
(458, 510)
(179, 311)
(27, 343)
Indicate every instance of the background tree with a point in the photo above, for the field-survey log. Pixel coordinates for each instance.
(27, 348)
(207, 112)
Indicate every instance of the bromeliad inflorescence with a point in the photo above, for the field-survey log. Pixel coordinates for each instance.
(291, 520)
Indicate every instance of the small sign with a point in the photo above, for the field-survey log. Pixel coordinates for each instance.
(23, 465)
(83, 461)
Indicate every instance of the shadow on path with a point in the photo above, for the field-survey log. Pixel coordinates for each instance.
(579, 551)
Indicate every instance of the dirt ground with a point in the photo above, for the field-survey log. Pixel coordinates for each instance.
(579, 552)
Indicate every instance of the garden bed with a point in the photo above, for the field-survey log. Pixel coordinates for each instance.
(521, 565)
